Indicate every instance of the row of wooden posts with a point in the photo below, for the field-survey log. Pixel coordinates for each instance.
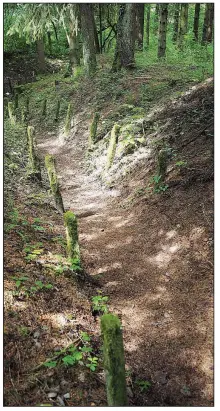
(113, 349)
(12, 107)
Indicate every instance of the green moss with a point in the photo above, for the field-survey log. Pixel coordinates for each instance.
(54, 185)
(33, 164)
(68, 119)
(70, 222)
(114, 363)
(112, 145)
(162, 164)
(93, 129)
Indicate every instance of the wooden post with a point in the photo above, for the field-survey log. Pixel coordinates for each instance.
(162, 164)
(57, 111)
(54, 185)
(114, 363)
(11, 112)
(70, 222)
(44, 108)
(112, 145)
(34, 164)
(93, 129)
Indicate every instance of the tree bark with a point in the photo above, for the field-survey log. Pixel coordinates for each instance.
(89, 56)
(156, 17)
(140, 24)
(148, 25)
(100, 26)
(162, 30)
(74, 46)
(183, 22)
(196, 21)
(41, 55)
(176, 22)
(96, 37)
(208, 23)
(124, 51)
(49, 42)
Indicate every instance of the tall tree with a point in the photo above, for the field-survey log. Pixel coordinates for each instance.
(196, 21)
(183, 22)
(41, 55)
(208, 23)
(162, 30)
(124, 50)
(156, 17)
(96, 37)
(87, 28)
(140, 24)
(148, 25)
(176, 22)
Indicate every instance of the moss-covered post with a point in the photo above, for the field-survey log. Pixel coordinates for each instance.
(34, 164)
(11, 112)
(70, 222)
(54, 185)
(112, 145)
(114, 362)
(68, 119)
(162, 164)
(93, 129)
(57, 111)
(44, 108)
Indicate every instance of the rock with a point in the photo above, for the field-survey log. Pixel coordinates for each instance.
(36, 334)
(62, 403)
(67, 396)
(52, 394)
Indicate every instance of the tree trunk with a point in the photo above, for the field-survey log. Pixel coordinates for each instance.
(196, 21)
(49, 42)
(41, 55)
(156, 17)
(176, 22)
(89, 56)
(208, 23)
(148, 26)
(183, 22)
(96, 37)
(100, 26)
(140, 24)
(124, 51)
(162, 30)
(73, 38)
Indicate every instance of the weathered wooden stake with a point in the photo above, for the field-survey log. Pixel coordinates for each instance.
(68, 119)
(57, 111)
(11, 112)
(70, 222)
(54, 185)
(112, 145)
(93, 129)
(114, 363)
(162, 164)
(34, 164)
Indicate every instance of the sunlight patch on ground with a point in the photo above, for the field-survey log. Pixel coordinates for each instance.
(163, 258)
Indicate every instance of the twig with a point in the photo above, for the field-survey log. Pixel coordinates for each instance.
(76, 343)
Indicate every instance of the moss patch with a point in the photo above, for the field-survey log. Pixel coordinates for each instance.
(70, 222)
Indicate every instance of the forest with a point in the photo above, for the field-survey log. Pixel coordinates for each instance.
(108, 204)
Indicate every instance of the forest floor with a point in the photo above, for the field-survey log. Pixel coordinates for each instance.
(151, 254)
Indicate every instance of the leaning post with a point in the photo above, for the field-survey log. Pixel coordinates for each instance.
(70, 222)
(54, 185)
(114, 362)
(33, 164)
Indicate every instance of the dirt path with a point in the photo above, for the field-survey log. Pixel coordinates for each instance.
(152, 269)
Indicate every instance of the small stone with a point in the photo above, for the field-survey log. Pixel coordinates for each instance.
(67, 396)
(36, 334)
(130, 392)
(37, 345)
(62, 403)
(52, 394)
(81, 376)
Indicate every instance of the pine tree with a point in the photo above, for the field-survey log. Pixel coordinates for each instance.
(162, 30)
(124, 51)
(89, 55)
